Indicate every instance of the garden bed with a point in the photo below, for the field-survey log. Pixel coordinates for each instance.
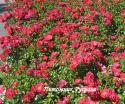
(63, 52)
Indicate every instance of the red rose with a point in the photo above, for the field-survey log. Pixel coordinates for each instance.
(77, 81)
(15, 84)
(123, 12)
(9, 93)
(105, 93)
(62, 83)
(122, 77)
(40, 87)
(26, 98)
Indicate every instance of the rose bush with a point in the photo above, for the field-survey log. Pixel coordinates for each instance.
(63, 44)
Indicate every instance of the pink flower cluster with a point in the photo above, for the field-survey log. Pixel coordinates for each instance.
(37, 88)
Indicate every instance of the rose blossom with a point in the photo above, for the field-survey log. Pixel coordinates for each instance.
(62, 83)
(9, 93)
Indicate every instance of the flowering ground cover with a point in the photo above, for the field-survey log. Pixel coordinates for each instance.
(63, 44)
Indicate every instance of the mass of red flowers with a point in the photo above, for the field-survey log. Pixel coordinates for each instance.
(63, 44)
